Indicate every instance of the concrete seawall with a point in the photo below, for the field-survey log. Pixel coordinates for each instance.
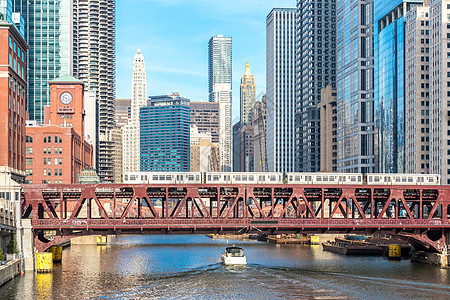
(9, 271)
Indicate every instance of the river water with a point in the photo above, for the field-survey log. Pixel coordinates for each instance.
(188, 266)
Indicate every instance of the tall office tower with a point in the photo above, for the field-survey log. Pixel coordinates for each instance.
(417, 91)
(259, 136)
(315, 69)
(131, 136)
(440, 89)
(248, 90)
(94, 63)
(280, 84)
(219, 76)
(389, 76)
(205, 116)
(49, 33)
(165, 134)
(237, 147)
(354, 80)
(328, 130)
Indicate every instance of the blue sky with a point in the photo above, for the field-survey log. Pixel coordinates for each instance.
(173, 36)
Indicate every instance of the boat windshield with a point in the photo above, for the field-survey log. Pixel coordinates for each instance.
(234, 252)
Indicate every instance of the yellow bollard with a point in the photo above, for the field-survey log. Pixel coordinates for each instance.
(57, 253)
(315, 240)
(394, 252)
(44, 262)
(101, 240)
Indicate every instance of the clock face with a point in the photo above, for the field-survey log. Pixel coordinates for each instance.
(65, 98)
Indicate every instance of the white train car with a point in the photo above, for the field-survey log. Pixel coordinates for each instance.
(243, 178)
(403, 179)
(162, 177)
(325, 178)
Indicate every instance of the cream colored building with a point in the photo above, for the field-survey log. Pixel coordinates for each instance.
(328, 129)
(248, 90)
(417, 98)
(117, 136)
(131, 131)
(204, 153)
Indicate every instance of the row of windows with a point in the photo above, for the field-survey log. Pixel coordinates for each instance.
(48, 139)
(16, 49)
(48, 150)
(57, 172)
(48, 161)
(46, 181)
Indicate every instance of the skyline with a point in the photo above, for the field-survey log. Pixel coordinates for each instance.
(177, 54)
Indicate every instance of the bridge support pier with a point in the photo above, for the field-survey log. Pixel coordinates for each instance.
(28, 246)
(437, 259)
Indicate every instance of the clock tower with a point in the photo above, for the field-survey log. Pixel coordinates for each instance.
(66, 103)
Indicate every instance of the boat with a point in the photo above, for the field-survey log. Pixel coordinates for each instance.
(352, 249)
(288, 239)
(233, 256)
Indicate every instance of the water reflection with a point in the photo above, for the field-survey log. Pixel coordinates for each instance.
(142, 267)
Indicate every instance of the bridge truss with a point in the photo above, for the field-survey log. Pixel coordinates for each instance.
(420, 213)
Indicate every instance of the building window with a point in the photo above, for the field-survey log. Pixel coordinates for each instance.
(28, 150)
(60, 150)
(60, 172)
(10, 42)
(28, 161)
(45, 172)
(45, 150)
(29, 172)
(60, 161)
(56, 172)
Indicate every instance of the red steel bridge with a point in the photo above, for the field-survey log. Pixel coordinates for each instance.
(418, 213)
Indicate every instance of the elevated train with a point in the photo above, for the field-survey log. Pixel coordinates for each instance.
(279, 178)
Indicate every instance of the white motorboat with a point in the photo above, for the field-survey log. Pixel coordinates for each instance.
(233, 256)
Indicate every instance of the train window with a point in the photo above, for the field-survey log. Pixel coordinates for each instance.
(307, 178)
(387, 179)
(260, 178)
(244, 177)
(297, 178)
(237, 177)
(318, 178)
(352, 178)
(404, 179)
(290, 177)
(145, 177)
(155, 177)
(209, 177)
(196, 177)
(359, 178)
(168, 177)
(251, 178)
(126, 177)
(191, 177)
(325, 178)
(376, 179)
(430, 179)
(162, 177)
(178, 177)
(132, 177)
(216, 178)
(410, 179)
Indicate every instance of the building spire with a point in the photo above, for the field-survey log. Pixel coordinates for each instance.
(247, 69)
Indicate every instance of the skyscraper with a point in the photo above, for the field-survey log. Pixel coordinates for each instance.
(316, 68)
(94, 63)
(49, 32)
(355, 86)
(439, 89)
(280, 83)
(219, 76)
(417, 90)
(389, 101)
(131, 134)
(165, 134)
(248, 90)
(259, 136)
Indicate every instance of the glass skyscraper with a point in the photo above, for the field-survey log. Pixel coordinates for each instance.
(49, 32)
(389, 102)
(219, 77)
(165, 134)
(354, 84)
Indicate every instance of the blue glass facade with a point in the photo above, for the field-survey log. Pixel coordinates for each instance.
(165, 134)
(389, 112)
